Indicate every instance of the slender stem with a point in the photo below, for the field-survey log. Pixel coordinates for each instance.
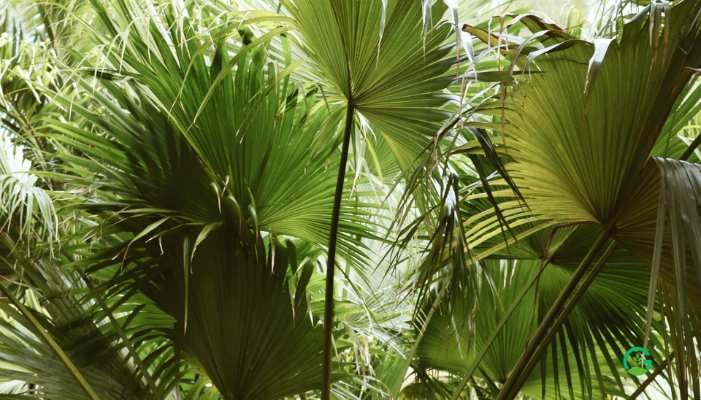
(142, 370)
(690, 150)
(49, 340)
(651, 378)
(331, 261)
(572, 301)
(514, 381)
(499, 328)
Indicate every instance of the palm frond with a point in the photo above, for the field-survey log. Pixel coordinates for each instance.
(393, 73)
(680, 282)
(25, 207)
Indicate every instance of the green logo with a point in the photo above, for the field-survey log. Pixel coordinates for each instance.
(637, 360)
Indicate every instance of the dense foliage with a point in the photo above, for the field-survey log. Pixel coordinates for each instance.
(351, 199)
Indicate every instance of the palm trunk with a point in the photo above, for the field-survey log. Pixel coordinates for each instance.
(331, 261)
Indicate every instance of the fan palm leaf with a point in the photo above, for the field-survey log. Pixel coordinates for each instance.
(194, 147)
(586, 164)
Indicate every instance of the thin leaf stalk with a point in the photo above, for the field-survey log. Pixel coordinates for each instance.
(690, 149)
(562, 317)
(142, 370)
(53, 345)
(539, 340)
(651, 378)
(500, 327)
(331, 260)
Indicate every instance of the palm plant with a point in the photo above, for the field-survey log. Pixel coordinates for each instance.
(589, 165)
(521, 205)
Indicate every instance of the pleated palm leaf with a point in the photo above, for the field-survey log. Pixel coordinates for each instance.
(50, 343)
(581, 130)
(676, 269)
(489, 332)
(200, 149)
(386, 60)
(49, 339)
(385, 63)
